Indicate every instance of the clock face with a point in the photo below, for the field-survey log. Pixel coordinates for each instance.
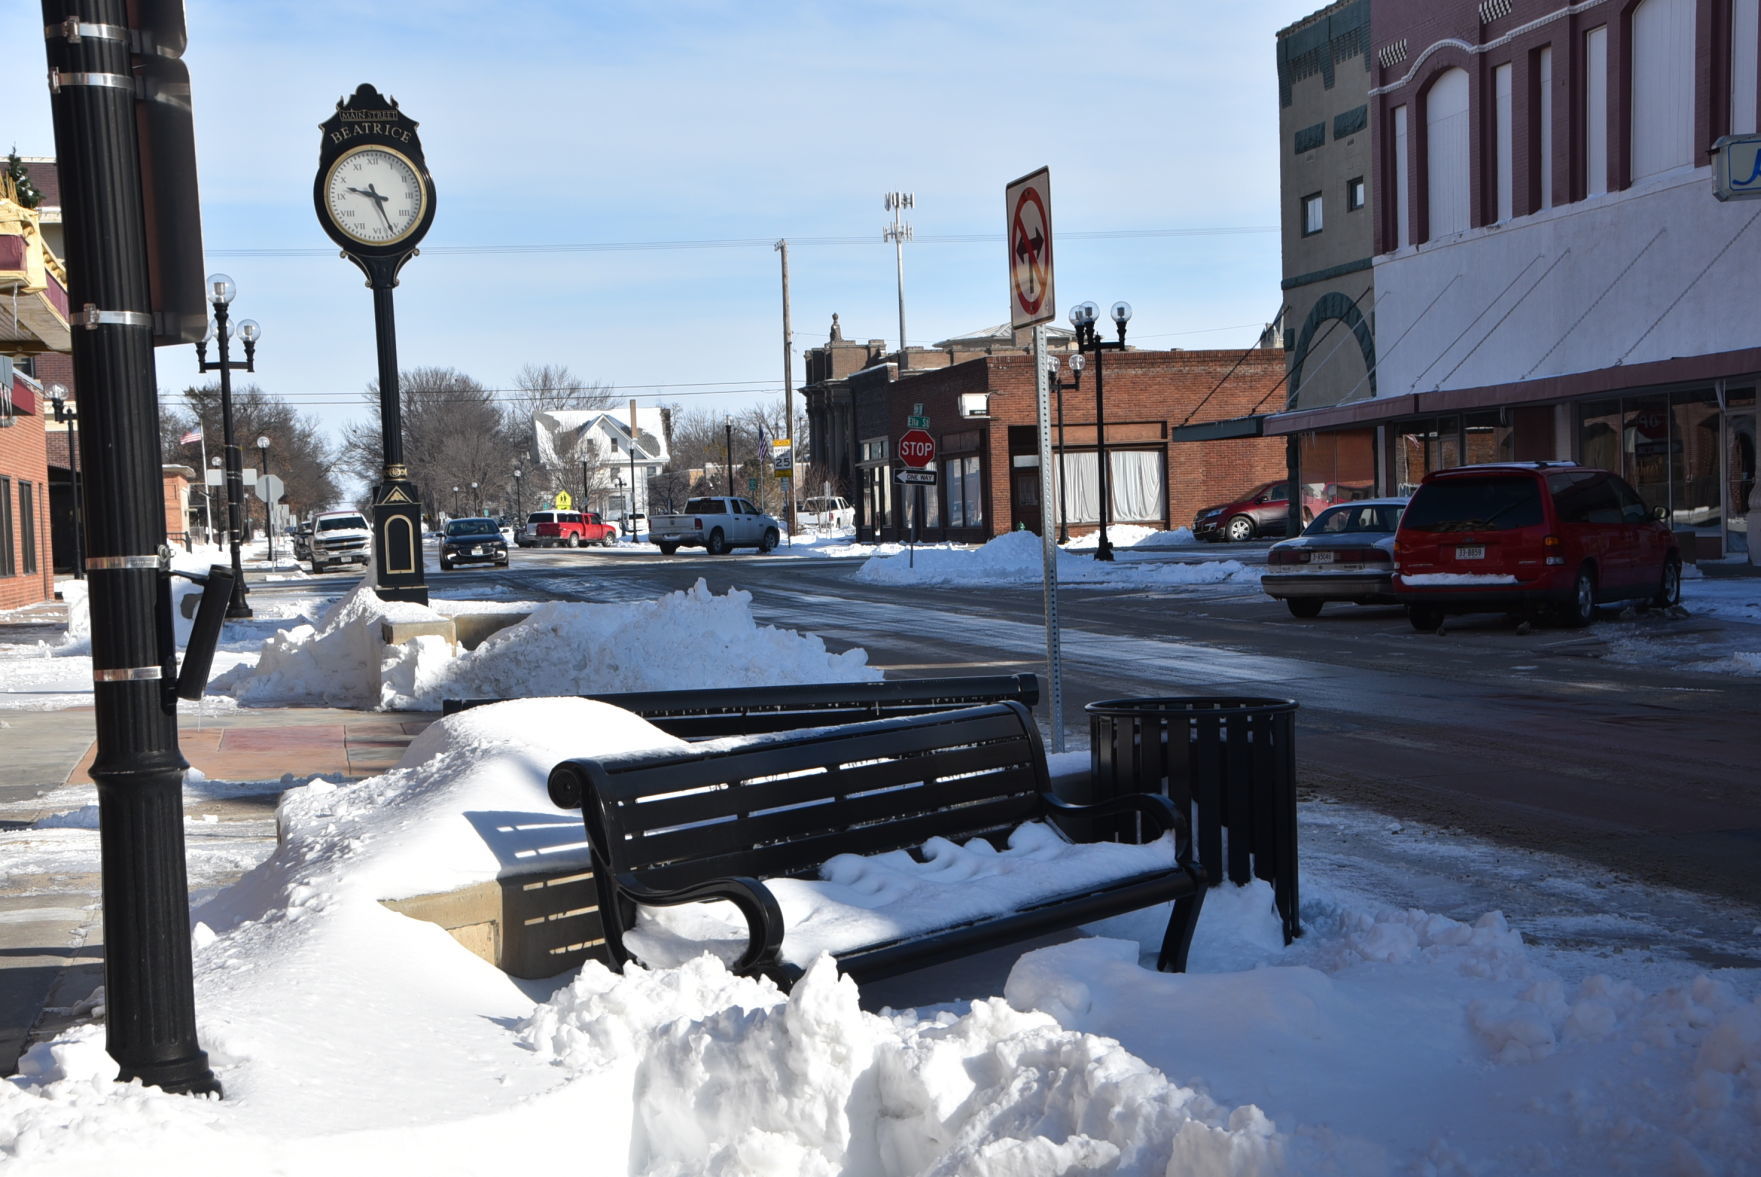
(374, 195)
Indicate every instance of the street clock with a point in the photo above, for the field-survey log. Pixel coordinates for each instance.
(373, 193)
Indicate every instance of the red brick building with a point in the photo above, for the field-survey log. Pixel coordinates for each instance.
(26, 576)
(982, 414)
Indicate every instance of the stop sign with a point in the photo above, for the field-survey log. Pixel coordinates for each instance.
(917, 449)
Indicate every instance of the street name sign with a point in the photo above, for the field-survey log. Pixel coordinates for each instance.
(1028, 230)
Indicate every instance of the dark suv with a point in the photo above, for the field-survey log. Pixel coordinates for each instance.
(1264, 510)
(1530, 537)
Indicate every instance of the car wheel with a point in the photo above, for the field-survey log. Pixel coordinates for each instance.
(1303, 607)
(769, 542)
(317, 568)
(445, 564)
(1240, 529)
(502, 563)
(1581, 610)
(717, 543)
(1669, 592)
(667, 549)
(574, 541)
(1424, 618)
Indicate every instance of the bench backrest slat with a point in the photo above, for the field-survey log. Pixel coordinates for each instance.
(773, 806)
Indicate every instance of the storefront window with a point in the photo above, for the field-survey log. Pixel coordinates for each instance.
(1695, 501)
(1486, 438)
(965, 491)
(1337, 467)
(1599, 439)
(1424, 446)
(1646, 446)
(1739, 469)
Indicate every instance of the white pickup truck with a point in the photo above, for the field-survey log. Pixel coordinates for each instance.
(716, 525)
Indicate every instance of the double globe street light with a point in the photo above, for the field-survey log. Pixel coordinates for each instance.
(1082, 318)
(220, 293)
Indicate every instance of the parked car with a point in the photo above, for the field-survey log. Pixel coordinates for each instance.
(1530, 537)
(339, 539)
(1264, 510)
(302, 540)
(832, 511)
(571, 529)
(1346, 554)
(472, 540)
(717, 524)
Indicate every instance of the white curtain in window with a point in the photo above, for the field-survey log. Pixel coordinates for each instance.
(1137, 485)
(1663, 86)
(1596, 110)
(1446, 152)
(972, 490)
(1745, 32)
(1138, 488)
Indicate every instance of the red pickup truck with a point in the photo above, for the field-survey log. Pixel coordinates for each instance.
(551, 529)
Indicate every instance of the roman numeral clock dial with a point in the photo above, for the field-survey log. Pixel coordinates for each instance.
(374, 195)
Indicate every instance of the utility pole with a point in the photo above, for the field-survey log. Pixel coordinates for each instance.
(782, 247)
(729, 426)
(899, 233)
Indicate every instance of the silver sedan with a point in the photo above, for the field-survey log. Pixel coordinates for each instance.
(1346, 554)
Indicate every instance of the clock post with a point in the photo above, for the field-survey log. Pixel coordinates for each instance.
(375, 199)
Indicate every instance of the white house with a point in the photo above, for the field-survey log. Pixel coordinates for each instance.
(603, 460)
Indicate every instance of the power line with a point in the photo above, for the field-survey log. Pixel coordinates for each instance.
(754, 242)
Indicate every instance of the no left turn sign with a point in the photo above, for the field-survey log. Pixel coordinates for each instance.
(1029, 204)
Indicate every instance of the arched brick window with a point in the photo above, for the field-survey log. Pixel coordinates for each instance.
(1662, 86)
(1447, 181)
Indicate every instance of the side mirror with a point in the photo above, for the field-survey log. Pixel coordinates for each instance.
(1659, 513)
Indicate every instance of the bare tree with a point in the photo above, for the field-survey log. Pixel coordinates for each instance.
(298, 453)
(454, 434)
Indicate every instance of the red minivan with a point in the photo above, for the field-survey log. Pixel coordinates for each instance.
(1530, 537)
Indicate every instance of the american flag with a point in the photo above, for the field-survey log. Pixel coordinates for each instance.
(193, 435)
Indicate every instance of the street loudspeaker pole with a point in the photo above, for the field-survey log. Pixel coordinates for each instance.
(125, 267)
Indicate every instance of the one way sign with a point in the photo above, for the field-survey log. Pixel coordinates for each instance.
(1029, 204)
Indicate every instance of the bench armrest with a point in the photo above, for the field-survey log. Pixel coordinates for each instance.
(764, 918)
(1154, 806)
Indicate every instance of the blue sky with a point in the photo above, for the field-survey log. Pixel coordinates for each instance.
(582, 151)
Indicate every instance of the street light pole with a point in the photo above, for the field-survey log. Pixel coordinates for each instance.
(476, 499)
(1058, 386)
(58, 395)
(220, 292)
(519, 501)
(1082, 317)
(268, 499)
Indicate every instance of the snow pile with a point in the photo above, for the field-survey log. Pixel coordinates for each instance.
(1016, 558)
(869, 900)
(563, 648)
(335, 663)
(352, 1039)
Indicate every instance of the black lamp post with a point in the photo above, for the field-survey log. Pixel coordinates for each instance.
(455, 502)
(476, 499)
(58, 395)
(1058, 386)
(220, 292)
(519, 499)
(1082, 317)
(268, 499)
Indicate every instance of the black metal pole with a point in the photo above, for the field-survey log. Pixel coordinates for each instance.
(235, 475)
(150, 1025)
(391, 420)
(1103, 550)
(268, 506)
(79, 543)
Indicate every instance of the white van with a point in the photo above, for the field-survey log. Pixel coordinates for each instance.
(826, 512)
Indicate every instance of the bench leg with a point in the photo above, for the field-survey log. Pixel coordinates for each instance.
(1177, 941)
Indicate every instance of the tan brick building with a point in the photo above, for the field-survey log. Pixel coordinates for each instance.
(26, 576)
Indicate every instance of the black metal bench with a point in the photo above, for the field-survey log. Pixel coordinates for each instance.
(738, 711)
(714, 820)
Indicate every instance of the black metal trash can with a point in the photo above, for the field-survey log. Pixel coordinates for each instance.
(1228, 763)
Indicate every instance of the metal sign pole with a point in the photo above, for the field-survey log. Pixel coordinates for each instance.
(1048, 541)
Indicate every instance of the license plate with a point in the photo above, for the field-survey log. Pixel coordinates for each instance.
(1320, 557)
(476, 551)
(1477, 552)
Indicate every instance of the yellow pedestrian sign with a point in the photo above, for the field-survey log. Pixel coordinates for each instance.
(564, 500)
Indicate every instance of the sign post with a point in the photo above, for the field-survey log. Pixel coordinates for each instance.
(1027, 205)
